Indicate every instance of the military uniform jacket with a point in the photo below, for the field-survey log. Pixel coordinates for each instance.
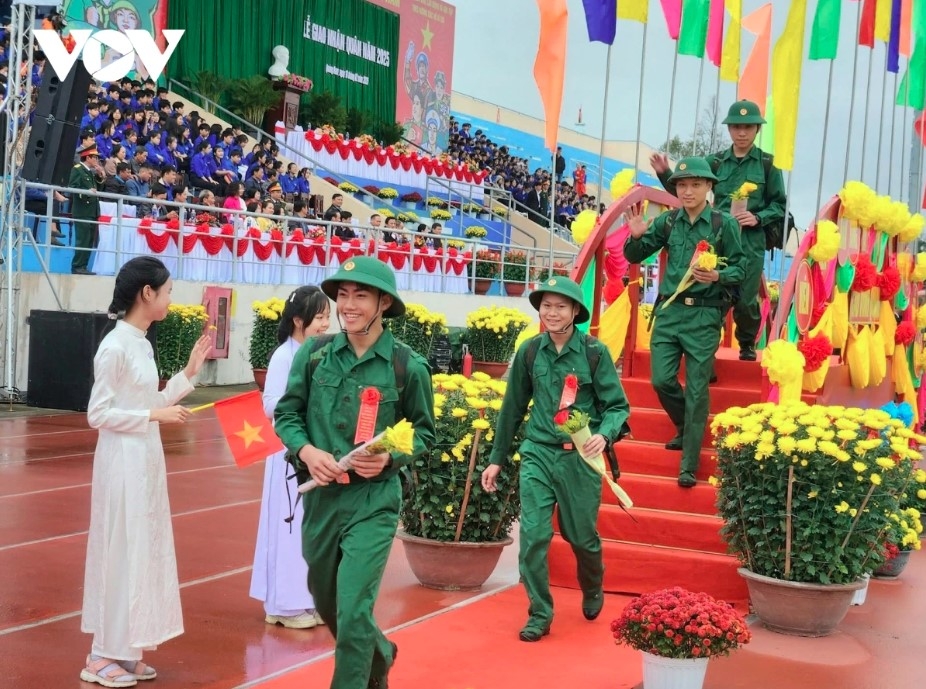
(321, 408)
(601, 397)
(680, 242)
(84, 206)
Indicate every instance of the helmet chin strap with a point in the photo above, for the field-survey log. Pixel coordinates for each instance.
(366, 329)
(564, 330)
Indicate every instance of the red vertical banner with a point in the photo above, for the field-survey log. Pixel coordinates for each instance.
(423, 86)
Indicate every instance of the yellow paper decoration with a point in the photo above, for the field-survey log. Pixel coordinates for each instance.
(785, 366)
(857, 356)
(856, 198)
(913, 228)
(888, 326)
(840, 308)
(900, 372)
(878, 358)
(622, 182)
(826, 242)
(919, 270)
(921, 317)
(583, 225)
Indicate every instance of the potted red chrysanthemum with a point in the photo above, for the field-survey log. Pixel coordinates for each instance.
(677, 632)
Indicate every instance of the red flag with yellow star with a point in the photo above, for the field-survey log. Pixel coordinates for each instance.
(248, 431)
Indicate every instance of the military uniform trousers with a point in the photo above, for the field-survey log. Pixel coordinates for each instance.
(553, 476)
(347, 533)
(86, 239)
(746, 312)
(692, 332)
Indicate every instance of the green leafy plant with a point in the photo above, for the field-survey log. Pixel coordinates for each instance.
(514, 266)
(387, 132)
(447, 502)
(176, 335)
(806, 492)
(211, 87)
(324, 107)
(543, 273)
(418, 327)
(486, 265)
(264, 331)
(251, 97)
(491, 332)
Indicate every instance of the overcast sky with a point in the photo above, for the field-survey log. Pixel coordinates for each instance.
(496, 43)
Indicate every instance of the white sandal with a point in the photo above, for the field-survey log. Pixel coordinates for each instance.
(141, 671)
(108, 673)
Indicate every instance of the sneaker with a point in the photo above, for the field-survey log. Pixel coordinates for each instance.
(304, 620)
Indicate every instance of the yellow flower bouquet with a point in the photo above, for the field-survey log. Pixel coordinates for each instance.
(739, 199)
(264, 331)
(447, 502)
(805, 492)
(704, 258)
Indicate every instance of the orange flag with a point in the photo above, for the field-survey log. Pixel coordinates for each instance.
(754, 79)
(550, 65)
(247, 429)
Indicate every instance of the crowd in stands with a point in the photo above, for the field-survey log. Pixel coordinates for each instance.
(512, 175)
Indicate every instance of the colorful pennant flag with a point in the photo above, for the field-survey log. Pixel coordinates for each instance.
(866, 28)
(672, 11)
(906, 21)
(715, 32)
(883, 20)
(753, 83)
(893, 44)
(766, 138)
(247, 429)
(786, 83)
(695, 14)
(550, 65)
(600, 19)
(634, 10)
(824, 36)
(730, 56)
(912, 90)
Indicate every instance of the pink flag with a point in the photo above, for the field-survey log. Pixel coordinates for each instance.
(715, 32)
(672, 9)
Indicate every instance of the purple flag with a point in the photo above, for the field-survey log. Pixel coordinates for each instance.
(601, 20)
(893, 45)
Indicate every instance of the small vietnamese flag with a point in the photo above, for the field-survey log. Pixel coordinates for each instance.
(248, 431)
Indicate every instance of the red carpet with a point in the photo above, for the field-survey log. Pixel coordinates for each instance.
(879, 645)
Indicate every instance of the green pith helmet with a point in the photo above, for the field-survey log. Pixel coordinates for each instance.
(693, 167)
(564, 287)
(744, 112)
(369, 271)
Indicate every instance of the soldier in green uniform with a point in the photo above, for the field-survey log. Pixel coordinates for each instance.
(552, 472)
(350, 520)
(85, 208)
(690, 325)
(744, 162)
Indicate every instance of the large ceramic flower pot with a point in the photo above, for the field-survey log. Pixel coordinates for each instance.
(893, 567)
(482, 286)
(491, 368)
(673, 673)
(260, 377)
(792, 607)
(451, 566)
(514, 289)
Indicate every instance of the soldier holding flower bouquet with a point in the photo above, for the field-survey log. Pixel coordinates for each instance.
(695, 291)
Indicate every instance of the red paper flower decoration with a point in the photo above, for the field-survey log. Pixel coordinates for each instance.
(369, 396)
(816, 351)
(562, 416)
(703, 245)
(612, 290)
(889, 283)
(905, 333)
(866, 276)
(571, 382)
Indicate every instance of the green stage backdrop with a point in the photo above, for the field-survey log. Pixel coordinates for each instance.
(348, 47)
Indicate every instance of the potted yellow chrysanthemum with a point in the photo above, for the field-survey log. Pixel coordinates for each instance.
(264, 336)
(806, 494)
(452, 530)
(176, 335)
(491, 332)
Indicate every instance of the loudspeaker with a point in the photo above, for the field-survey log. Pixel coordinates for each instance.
(61, 349)
(56, 126)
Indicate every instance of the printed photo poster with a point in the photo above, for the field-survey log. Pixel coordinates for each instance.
(118, 15)
(426, 33)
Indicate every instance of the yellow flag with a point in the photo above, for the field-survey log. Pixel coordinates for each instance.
(730, 56)
(634, 10)
(883, 20)
(786, 83)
